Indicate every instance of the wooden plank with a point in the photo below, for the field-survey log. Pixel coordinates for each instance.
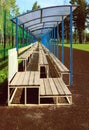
(15, 79)
(64, 87)
(21, 78)
(45, 60)
(53, 87)
(37, 78)
(26, 78)
(59, 64)
(31, 79)
(59, 88)
(64, 68)
(47, 87)
(24, 48)
(42, 87)
(13, 95)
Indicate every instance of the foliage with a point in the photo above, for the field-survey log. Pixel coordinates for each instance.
(10, 6)
(3, 74)
(80, 17)
(35, 6)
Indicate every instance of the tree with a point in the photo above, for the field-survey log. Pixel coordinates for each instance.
(35, 6)
(7, 8)
(80, 17)
(10, 6)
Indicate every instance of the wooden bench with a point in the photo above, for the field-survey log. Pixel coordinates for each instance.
(22, 80)
(55, 88)
(43, 65)
(28, 54)
(60, 67)
(46, 50)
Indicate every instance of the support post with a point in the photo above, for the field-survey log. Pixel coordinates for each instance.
(16, 33)
(57, 40)
(23, 35)
(12, 35)
(71, 52)
(62, 40)
(54, 42)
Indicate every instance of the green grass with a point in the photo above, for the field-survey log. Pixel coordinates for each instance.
(3, 74)
(84, 47)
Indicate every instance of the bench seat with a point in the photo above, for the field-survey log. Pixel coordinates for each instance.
(43, 63)
(28, 78)
(55, 87)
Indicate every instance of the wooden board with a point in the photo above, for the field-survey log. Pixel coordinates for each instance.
(26, 78)
(15, 79)
(59, 88)
(47, 87)
(64, 87)
(42, 87)
(53, 87)
(36, 78)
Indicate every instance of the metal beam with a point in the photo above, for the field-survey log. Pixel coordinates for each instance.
(57, 40)
(62, 40)
(16, 33)
(23, 34)
(71, 52)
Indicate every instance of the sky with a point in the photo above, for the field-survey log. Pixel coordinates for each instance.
(25, 5)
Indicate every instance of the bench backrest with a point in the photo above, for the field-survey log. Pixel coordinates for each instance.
(12, 63)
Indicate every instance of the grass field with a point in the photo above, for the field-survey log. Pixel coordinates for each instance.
(84, 47)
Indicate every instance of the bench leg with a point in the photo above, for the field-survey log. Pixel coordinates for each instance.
(56, 100)
(69, 99)
(8, 95)
(25, 98)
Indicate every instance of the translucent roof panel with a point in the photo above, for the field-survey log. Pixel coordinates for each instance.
(54, 18)
(44, 18)
(30, 16)
(57, 11)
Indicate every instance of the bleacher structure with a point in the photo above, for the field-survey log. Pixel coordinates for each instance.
(35, 85)
(39, 85)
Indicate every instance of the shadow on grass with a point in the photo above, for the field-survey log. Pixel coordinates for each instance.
(3, 65)
(1, 59)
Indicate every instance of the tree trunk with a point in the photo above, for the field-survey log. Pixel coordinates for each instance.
(80, 33)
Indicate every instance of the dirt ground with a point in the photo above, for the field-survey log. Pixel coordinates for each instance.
(75, 117)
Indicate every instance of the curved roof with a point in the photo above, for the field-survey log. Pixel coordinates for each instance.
(43, 20)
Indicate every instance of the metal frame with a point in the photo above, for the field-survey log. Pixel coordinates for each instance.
(71, 52)
(42, 16)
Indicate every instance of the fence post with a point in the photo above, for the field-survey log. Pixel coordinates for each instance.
(4, 32)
